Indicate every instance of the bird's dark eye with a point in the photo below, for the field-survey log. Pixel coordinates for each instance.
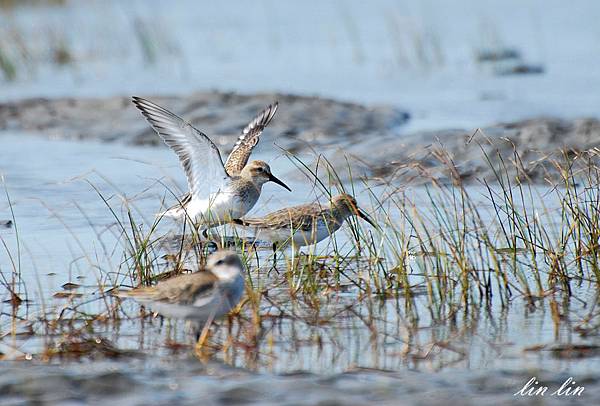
(259, 169)
(220, 262)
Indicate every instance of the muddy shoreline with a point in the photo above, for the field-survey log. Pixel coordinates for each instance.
(186, 381)
(373, 140)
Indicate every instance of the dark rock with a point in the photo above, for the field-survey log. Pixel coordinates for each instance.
(520, 69)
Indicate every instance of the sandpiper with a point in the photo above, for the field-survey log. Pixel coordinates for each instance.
(218, 192)
(199, 297)
(306, 224)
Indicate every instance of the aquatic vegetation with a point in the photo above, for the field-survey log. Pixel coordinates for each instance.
(441, 261)
(14, 286)
(7, 66)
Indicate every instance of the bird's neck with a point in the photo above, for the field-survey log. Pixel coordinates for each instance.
(258, 183)
(339, 213)
(226, 274)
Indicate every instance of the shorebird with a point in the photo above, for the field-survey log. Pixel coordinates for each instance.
(218, 192)
(199, 297)
(306, 224)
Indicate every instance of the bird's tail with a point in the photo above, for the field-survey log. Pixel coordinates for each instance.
(178, 209)
(172, 212)
(244, 223)
(143, 293)
(121, 293)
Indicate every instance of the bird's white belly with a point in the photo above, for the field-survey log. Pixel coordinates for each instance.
(219, 208)
(184, 312)
(204, 308)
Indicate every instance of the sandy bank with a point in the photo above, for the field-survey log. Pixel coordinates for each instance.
(373, 137)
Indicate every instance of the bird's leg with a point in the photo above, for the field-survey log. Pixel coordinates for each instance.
(196, 329)
(296, 256)
(274, 267)
(203, 335)
(201, 230)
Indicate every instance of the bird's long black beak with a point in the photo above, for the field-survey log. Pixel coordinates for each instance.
(360, 213)
(272, 178)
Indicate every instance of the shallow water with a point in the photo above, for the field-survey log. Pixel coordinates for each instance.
(185, 381)
(415, 56)
(61, 221)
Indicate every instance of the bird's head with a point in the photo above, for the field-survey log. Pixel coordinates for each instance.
(347, 206)
(225, 265)
(260, 173)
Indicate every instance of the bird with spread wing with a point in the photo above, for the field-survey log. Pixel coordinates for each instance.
(218, 192)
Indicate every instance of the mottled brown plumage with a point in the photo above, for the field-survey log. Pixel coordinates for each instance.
(182, 289)
(239, 155)
(302, 217)
(200, 296)
(306, 224)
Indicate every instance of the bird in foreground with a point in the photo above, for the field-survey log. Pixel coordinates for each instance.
(218, 192)
(306, 224)
(199, 297)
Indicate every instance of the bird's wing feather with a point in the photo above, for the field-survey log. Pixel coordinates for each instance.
(238, 158)
(298, 217)
(198, 155)
(181, 203)
(189, 289)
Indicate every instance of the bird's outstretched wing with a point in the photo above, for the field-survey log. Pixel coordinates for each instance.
(238, 158)
(198, 155)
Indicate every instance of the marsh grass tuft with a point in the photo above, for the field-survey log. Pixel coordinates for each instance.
(443, 254)
(7, 65)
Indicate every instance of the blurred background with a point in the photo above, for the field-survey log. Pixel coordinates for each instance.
(463, 63)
